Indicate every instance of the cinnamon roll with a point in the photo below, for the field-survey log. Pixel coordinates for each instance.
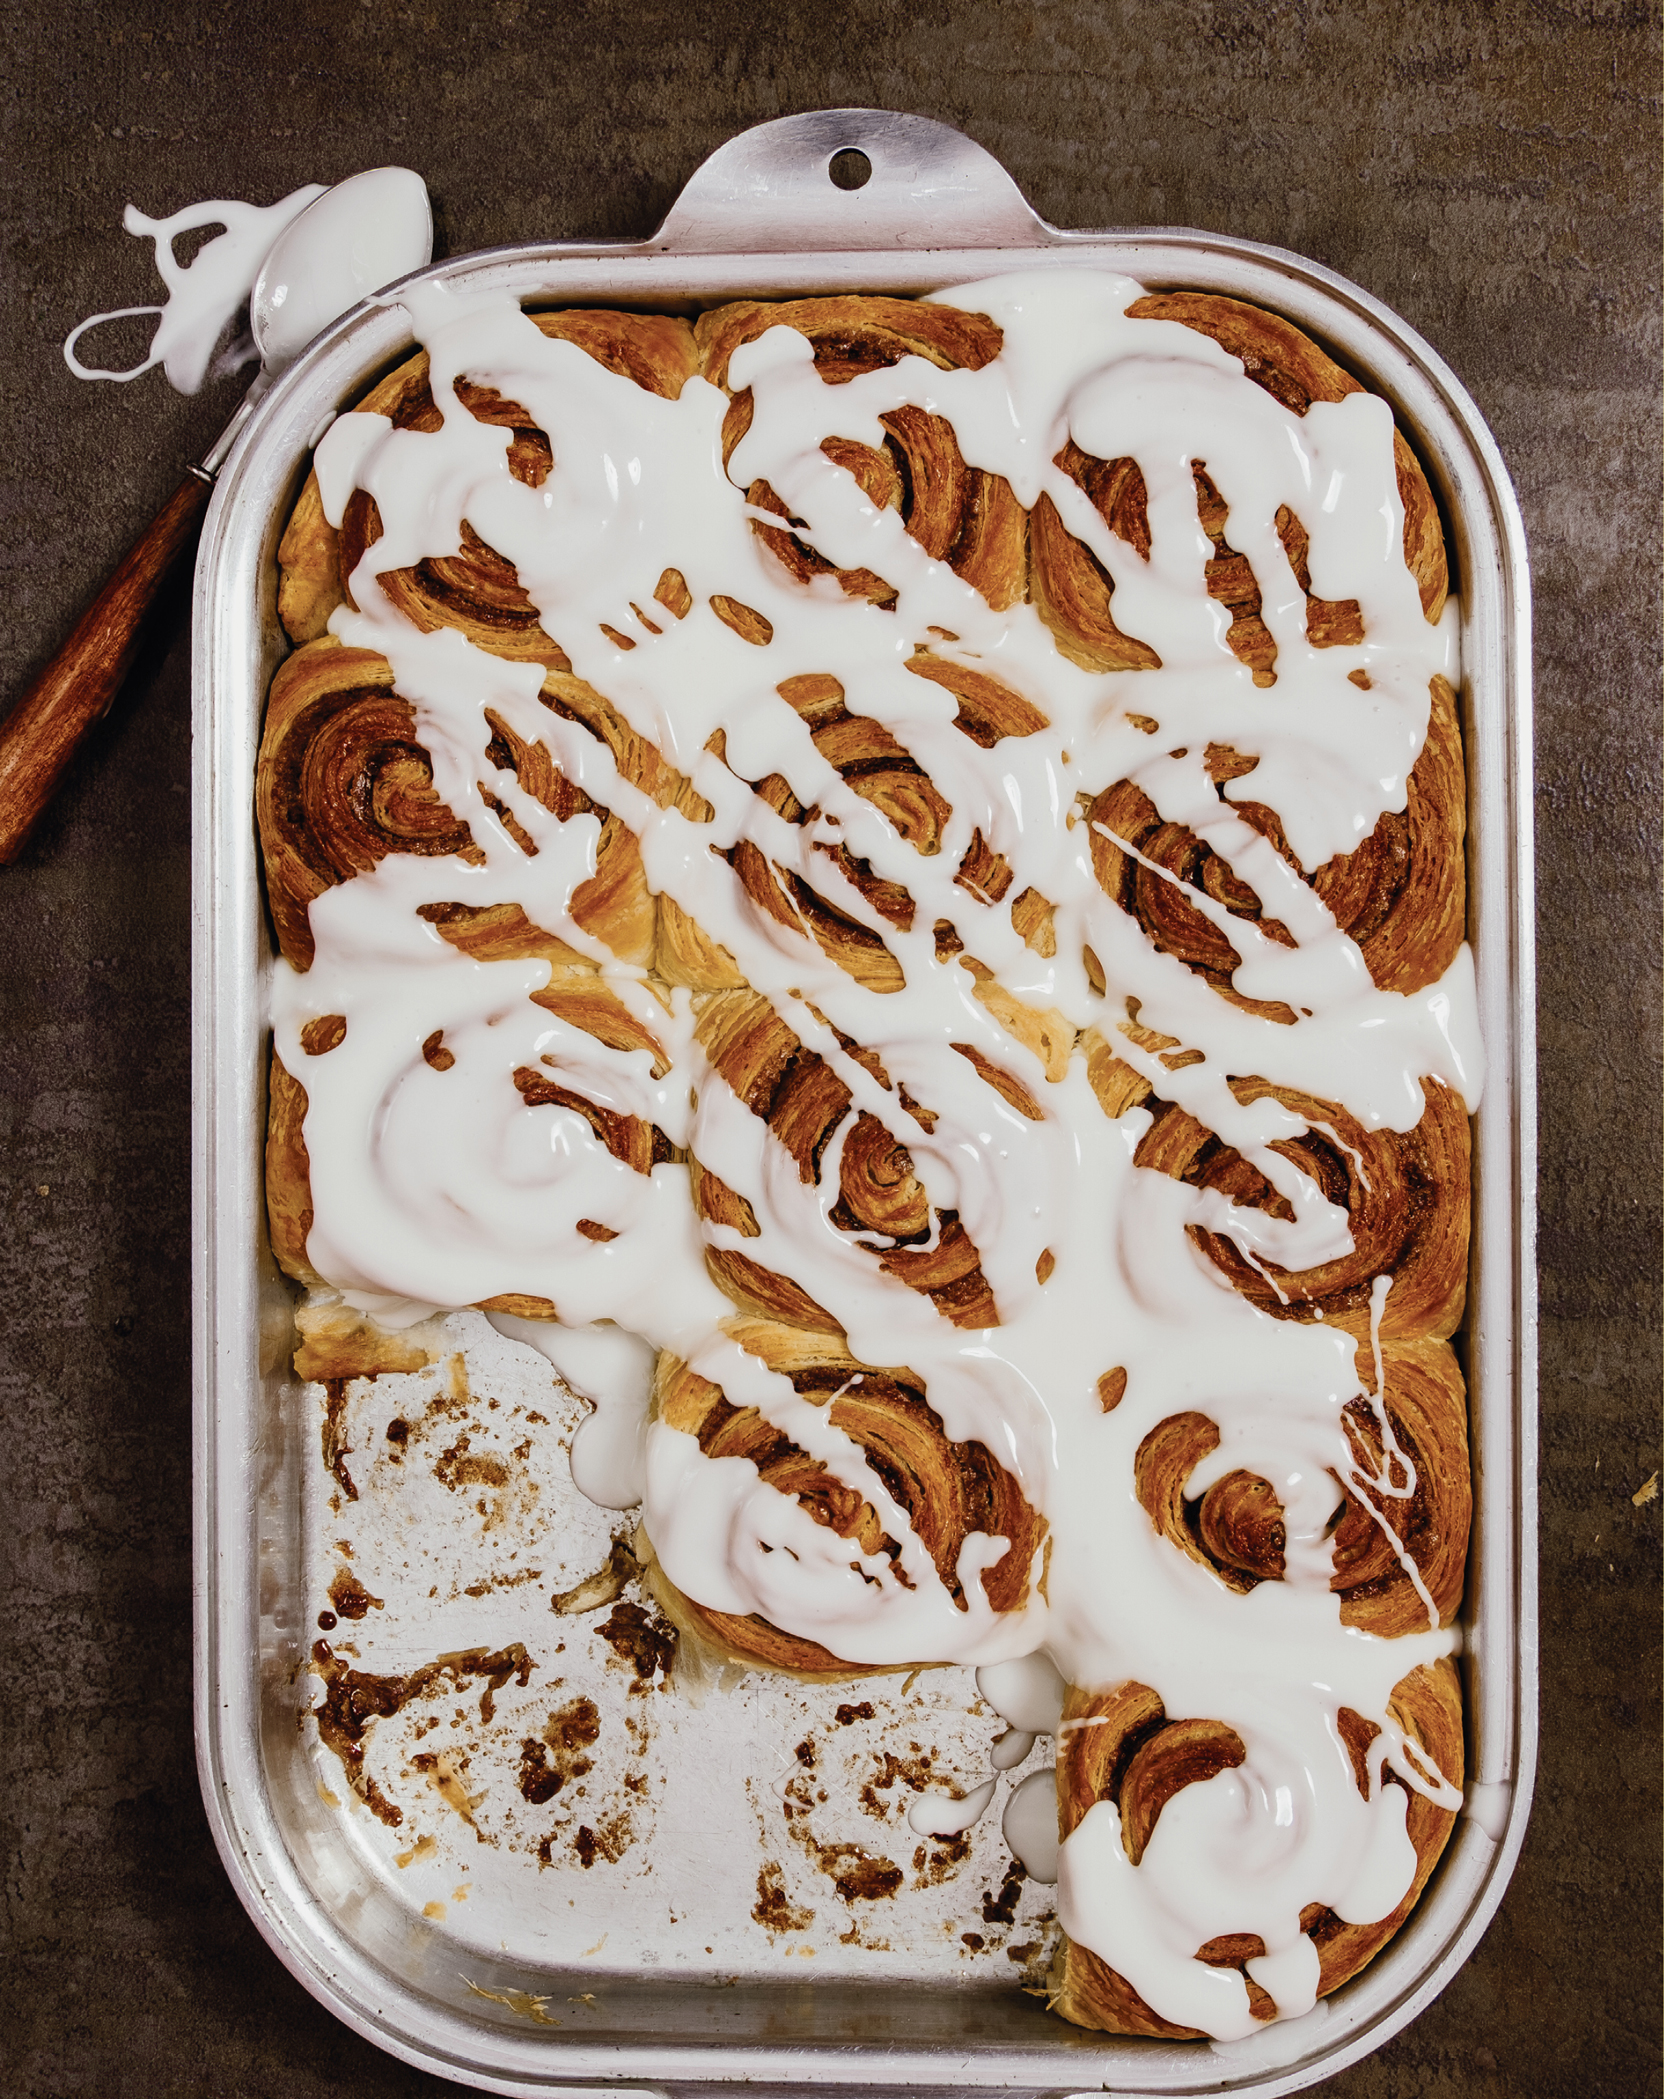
(473, 590)
(1405, 1198)
(947, 1493)
(1401, 895)
(344, 783)
(1121, 1749)
(1296, 371)
(881, 1202)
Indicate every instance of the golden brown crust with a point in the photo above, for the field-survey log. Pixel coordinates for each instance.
(615, 903)
(502, 933)
(852, 333)
(308, 568)
(988, 710)
(1116, 1084)
(1402, 894)
(780, 895)
(870, 760)
(793, 1089)
(948, 1490)
(1072, 590)
(687, 955)
(638, 758)
(288, 1176)
(337, 1342)
(656, 350)
(1070, 587)
(1275, 353)
(1120, 1746)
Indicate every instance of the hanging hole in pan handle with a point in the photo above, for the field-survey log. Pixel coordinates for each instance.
(849, 168)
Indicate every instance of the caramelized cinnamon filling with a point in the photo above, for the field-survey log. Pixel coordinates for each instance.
(1404, 1194)
(869, 760)
(948, 1490)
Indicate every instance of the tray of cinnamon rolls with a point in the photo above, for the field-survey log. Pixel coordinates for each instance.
(865, 1333)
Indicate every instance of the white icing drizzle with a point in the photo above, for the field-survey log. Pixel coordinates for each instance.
(1010, 1750)
(375, 227)
(441, 1188)
(1030, 1826)
(367, 231)
(205, 293)
(613, 1369)
(1028, 1693)
(935, 1815)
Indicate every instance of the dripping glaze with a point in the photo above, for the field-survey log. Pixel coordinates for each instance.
(439, 1188)
(204, 294)
(294, 277)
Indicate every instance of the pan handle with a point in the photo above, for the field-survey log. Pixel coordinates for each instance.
(838, 179)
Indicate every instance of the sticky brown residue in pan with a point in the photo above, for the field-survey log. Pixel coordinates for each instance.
(354, 1697)
(772, 1909)
(547, 1765)
(335, 1445)
(643, 1639)
(349, 1596)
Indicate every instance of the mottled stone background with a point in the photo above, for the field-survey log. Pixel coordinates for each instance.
(1490, 171)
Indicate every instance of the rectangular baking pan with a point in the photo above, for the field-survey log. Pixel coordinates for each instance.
(763, 217)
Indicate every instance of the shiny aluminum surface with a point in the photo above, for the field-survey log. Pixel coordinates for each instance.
(762, 217)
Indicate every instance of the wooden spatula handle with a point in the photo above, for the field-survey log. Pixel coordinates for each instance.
(46, 727)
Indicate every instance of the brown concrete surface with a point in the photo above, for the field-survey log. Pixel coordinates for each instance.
(1490, 171)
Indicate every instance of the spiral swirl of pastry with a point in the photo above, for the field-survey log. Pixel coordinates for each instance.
(1405, 1196)
(1120, 1745)
(1410, 1507)
(1400, 895)
(959, 514)
(804, 1103)
(343, 782)
(947, 1491)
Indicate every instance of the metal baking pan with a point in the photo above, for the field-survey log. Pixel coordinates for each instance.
(497, 2008)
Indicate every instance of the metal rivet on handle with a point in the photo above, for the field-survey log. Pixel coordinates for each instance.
(850, 168)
